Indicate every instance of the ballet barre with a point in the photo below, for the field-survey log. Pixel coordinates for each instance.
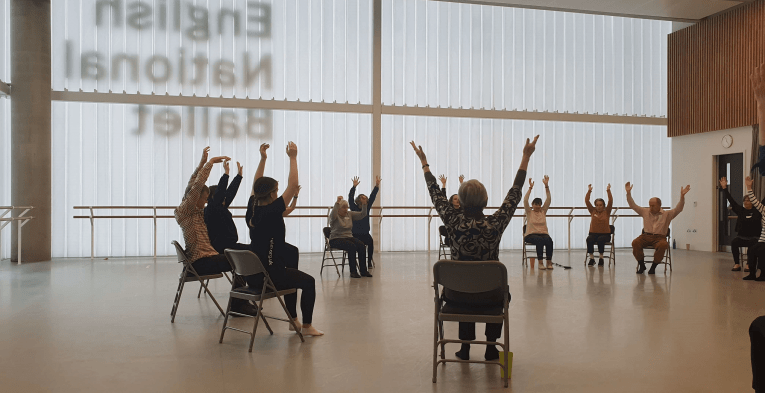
(325, 211)
(21, 220)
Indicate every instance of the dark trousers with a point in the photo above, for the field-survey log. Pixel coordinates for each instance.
(543, 242)
(353, 247)
(215, 265)
(234, 246)
(754, 254)
(757, 337)
(739, 242)
(600, 238)
(291, 278)
(491, 299)
(291, 256)
(369, 242)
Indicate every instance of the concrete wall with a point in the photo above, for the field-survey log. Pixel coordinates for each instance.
(693, 163)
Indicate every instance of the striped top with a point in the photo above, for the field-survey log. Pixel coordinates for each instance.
(192, 219)
(760, 208)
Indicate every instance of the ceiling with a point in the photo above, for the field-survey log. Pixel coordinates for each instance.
(679, 10)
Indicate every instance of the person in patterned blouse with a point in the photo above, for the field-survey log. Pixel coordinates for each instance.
(475, 237)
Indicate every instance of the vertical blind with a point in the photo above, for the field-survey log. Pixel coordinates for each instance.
(572, 154)
(450, 54)
(5, 123)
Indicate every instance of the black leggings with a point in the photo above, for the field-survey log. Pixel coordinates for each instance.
(353, 246)
(739, 242)
(234, 246)
(601, 239)
(542, 241)
(215, 264)
(291, 278)
(368, 241)
(753, 254)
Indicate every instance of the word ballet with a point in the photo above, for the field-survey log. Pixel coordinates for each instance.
(193, 20)
(256, 123)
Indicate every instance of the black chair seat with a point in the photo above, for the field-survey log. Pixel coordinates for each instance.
(253, 292)
(191, 277)
(471, 310)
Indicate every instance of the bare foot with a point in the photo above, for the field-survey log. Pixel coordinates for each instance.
(298, 324)
(309, 330)
(549, 265)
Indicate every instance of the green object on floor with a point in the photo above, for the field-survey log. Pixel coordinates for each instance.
(509, 366)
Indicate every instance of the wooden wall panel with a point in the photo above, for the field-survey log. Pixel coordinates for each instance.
(708, 71)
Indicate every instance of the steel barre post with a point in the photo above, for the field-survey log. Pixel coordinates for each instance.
(429, 215)
(21, 220)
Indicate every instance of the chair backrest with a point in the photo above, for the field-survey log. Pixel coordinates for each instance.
(668, 229)
(613, 229)
(244, 262)
(327, 231)
(470, 276)
(181, 253)
(442, 231)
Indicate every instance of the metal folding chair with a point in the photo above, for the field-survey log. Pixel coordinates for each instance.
(667, 255)
(526, 257)
(443, 235)
(327, 249)
(246, 263)
(469, 277)
(189, 274)
(611, 255)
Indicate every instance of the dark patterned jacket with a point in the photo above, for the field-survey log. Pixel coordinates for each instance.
(474, 236)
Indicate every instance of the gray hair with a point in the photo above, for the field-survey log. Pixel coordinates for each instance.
(343, 203)
(473, 194)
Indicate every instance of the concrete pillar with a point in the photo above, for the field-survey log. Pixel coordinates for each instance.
(30, 124)
(377, 111)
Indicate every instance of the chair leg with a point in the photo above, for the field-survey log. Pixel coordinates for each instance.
(200, 290)
(507, 346)
(435, 347)
(441, 334)
(177, 299)
(255, 327)
(292, 321)
(228, 278)
(334, 262)
(225, 321)
(212, 297)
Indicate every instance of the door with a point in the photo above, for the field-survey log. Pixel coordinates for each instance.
(732, 167)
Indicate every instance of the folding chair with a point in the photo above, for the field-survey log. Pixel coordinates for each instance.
(469, 277)
(524, 261)
(667, 256)
(443, 236)
(246, 263)
(611, 255)
(744, 258)
(189, 274)
(328, 249)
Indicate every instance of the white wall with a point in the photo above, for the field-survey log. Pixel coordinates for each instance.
(693, 163)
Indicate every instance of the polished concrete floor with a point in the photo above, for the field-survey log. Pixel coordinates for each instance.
(76, 325)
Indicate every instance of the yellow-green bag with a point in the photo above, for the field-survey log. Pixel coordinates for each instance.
(509, 366)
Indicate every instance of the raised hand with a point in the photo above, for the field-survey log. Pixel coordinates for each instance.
(462, 178)
(609, 187)
(545, 180)
(216, 160)
(355, 181)
(263, 148)
(628, 187)
(339, 198)
(529, 148)
(298, 190)
(419, 152)
(589, 188)
(205, 153)
(749, 182)
(291, 150)
(239, 168)
(226, 166)
(757, 77)
(443, 180)
(377, 181)
(531, 184)
(685, 190)
(723, 183)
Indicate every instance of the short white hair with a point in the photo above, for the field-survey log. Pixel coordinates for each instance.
(343, 203)
(473, 194)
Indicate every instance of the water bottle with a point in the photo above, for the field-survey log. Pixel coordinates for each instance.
(674, 244)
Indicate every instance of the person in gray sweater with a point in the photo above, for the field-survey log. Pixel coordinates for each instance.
(341, 235)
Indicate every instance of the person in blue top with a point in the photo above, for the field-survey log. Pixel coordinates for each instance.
(361, 227)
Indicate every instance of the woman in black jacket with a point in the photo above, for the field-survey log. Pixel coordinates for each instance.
(748, 224)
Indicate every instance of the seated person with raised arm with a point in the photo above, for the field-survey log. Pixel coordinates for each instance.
(756, 252)
(220, 223)
(600, 224)
(341, 235)
(536, 225)
(475, 237)
(655, 227)
(454, 199)
(361, 227)
(748, 224)
(190, 216)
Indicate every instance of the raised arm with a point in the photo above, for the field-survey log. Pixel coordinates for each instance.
(220, 193)
(193, 176)
(610, 199)
(292, 182)
(526, 197)
(681, 203)
(261, 165)
(197, 183)
(373, 194)
(587, 202)
(352, 194)
(749, 193)
(438, 198)
(733, 204)
(233, 188)
(546, 205)
(355, 216)
(506, 211)
(333, 213)
(291, 207)
(631, 202)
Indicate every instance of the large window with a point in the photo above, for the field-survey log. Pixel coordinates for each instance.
(5, 123)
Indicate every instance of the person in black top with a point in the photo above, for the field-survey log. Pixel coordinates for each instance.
(265, 218)
(220, 223)
(748, 225)
(454, 199)
(361, 227)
